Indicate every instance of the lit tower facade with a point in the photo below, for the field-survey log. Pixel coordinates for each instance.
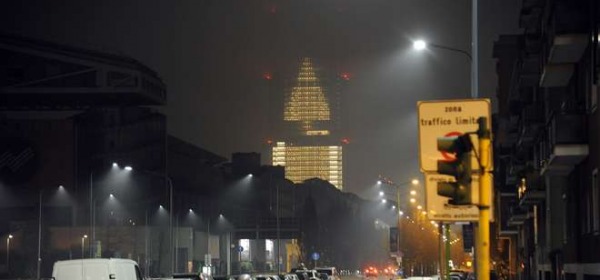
(309, 148)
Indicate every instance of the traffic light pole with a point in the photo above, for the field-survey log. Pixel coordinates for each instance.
(482, 247)
(447, 253)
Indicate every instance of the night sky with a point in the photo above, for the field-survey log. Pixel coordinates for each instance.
(212, 53)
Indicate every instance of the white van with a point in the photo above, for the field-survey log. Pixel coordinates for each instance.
(96, 269)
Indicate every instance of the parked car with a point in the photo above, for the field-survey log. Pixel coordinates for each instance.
(240, 277)
(266, 277)
(98, 269)
(192, 276)
(307, 274)
(290, 276)
(461, 274)
(331, 272)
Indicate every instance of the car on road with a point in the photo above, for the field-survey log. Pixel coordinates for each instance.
(371, 272)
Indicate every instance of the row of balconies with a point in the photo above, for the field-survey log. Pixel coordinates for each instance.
(560, 145)
(554, 146)
(566, 40)
(555, 39)
(546, 142)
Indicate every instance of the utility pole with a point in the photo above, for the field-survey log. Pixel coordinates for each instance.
(482, 247)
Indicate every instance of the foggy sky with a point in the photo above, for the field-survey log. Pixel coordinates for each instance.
(211, 54)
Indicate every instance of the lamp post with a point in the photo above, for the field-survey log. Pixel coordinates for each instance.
(389, 182)
(39, 248)
(169, 184)
(83, 238)
(92, 222)
(8, 252)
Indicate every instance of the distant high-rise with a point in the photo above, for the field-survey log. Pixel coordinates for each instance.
(310, 148)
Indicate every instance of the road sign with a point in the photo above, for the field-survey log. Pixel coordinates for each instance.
(445, 119)
(468, 240)
(315, 256)
(393, 239)
(240, 249)
(438, 208)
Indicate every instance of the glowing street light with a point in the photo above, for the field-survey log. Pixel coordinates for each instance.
(8, 251)
(83, 238)
(419, 45)
(128, 168)
(413, 200)
(413, 192)
(381, 193)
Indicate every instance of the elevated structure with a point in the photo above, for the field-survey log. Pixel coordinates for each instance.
(309, 149)
(46, 76)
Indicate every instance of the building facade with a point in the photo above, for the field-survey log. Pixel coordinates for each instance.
(309, 147)
(546, 143)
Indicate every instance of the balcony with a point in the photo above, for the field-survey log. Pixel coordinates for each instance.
(531, 197)
(518, 216)
(531, 120)
(530, 190)
(506, 200)
(567, 48)
(565, 145)
(566, 41)
(557, 75)
(530, 69)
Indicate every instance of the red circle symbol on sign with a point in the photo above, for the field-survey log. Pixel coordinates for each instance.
(449, 156)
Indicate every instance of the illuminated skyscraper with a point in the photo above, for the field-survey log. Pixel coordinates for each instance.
(309, 148)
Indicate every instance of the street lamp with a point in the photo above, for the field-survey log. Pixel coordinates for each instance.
(8, 252)
(421, 45)
(169, 184)
(83, 238)
(413, 182)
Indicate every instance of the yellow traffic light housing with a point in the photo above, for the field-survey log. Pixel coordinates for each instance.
(459, 192)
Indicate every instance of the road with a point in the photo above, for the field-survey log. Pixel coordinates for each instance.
(352, 277)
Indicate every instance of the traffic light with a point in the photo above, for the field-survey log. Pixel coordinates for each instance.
(459, 192)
